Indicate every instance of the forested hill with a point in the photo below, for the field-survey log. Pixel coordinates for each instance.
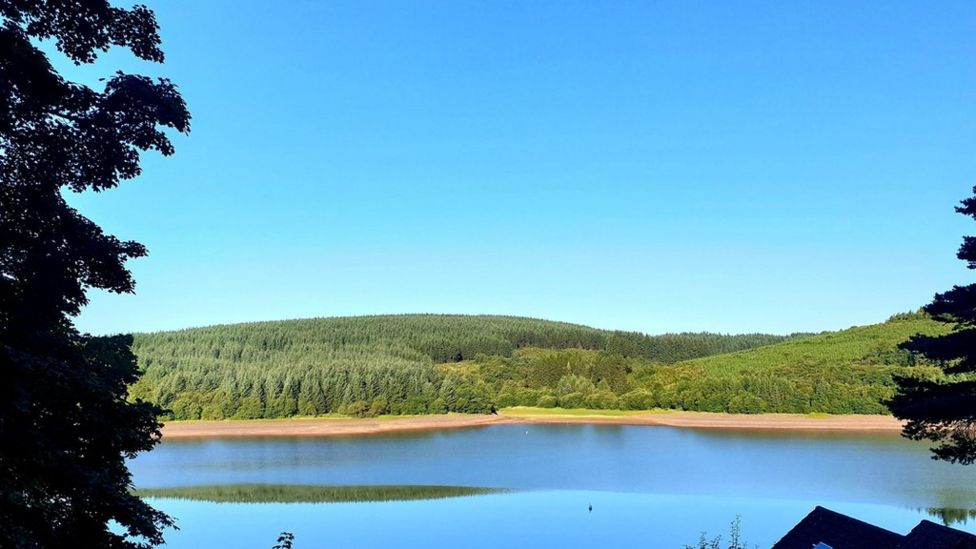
(423, 364)
(844, 372)
(442, 338)
(312, 366)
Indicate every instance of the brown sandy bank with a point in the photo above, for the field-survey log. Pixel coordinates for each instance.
(333, 426)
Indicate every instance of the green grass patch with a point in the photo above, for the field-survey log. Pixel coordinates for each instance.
(528, 411)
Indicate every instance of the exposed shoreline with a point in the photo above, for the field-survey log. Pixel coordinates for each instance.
(335, 426)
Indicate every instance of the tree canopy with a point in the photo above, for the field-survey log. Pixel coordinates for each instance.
(423, 364)
(66, 426)
(944, 410)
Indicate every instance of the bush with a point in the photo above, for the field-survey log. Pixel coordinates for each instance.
(639, 399)
(379, 407)
(527, 397)
(746, 403)
(358, 408)
(504, 400)
(547, 401)
(602, 400)
(414, 405)
(473, 399)
(250, 408)
(438, 406)
(571, 400)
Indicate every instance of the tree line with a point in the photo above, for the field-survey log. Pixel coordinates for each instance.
(431, 364)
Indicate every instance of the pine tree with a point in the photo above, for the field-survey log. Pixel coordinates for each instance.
(944, 410)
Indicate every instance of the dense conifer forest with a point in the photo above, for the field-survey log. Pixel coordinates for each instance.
(431, 364)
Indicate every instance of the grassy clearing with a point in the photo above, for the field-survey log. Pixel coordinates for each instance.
(534, 411)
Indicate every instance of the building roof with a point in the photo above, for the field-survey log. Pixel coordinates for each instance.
(837, 531)
(929, 535)
(823, 527)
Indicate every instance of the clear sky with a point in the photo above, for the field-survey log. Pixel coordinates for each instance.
(654, 166)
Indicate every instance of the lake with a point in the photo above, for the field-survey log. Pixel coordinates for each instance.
(648, 486)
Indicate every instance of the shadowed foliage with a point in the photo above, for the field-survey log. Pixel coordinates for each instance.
(944, 410)
(66, 425)
(286, 540)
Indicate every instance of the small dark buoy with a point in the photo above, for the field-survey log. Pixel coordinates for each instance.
(591, 507)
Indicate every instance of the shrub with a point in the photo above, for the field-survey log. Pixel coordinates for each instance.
(602, 400)
(639, 399)
(504, 400)
(571, 400)
(379, 407)
(437, 406)
(547, 401)
(358, 408)
(746, 403)
(414, 405)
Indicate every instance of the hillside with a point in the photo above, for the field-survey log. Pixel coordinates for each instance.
(375, 364)
(849, 371)
(417, 364)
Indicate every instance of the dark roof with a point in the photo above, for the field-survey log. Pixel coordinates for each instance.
(929, 535)
(838, 531)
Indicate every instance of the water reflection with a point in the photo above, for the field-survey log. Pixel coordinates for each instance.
(949, 516)
(511, 519)
(291, 493)
(870, 468)
(649, 486)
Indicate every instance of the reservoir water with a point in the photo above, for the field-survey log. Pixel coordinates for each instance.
(647, 486)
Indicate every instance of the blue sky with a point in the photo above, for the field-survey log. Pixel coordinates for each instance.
(652, 166)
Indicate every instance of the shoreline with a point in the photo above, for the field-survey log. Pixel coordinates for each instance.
(341, 426)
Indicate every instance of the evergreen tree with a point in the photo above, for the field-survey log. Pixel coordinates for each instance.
(66, 426)
(944, 410)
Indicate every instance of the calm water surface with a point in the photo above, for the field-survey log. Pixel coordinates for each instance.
(649, 486)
